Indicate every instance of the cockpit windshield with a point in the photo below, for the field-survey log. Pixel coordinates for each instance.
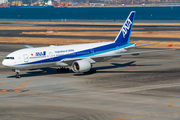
(12, 58)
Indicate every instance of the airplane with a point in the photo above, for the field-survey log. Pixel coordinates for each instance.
(80, 57)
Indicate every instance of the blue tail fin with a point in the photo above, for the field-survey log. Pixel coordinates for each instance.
(125, 33)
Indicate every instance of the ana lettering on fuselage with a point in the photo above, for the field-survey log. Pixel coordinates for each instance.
(41, 53)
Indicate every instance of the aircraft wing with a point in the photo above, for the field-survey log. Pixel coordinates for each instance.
(99, 58)
(28, 46)
(132, 53)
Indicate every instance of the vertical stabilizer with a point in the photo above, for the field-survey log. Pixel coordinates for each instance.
(125, 33)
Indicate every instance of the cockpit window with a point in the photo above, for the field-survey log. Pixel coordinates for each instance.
(12, 58)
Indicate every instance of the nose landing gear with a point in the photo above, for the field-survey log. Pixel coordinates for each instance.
(17, 73)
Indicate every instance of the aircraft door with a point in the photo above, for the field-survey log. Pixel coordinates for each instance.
(92, 52)
(26, 59)
(51, 55)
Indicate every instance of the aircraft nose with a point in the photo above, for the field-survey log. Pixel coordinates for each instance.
(4, 62)
(7, 63)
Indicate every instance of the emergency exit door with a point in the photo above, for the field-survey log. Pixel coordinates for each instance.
(51, 55)
(26, 59)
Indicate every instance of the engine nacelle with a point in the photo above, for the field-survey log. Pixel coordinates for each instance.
(81, 66)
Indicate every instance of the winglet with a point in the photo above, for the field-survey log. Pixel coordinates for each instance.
(125, 33)
(28, 46)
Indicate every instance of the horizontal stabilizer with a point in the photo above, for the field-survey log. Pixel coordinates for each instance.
(141, 45)
(148, 44)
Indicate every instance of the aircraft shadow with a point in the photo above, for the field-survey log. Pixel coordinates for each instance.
(116, 65)
(40, 72)
(129, 64)
(52, 71)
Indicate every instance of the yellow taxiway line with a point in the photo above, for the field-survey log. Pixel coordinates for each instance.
(174, 103)
(146, 115)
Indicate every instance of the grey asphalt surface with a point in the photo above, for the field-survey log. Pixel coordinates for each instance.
(130, 87)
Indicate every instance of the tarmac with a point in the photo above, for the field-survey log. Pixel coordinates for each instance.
(18, 33)
(129, 87)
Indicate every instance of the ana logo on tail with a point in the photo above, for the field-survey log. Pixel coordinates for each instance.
(126, 27)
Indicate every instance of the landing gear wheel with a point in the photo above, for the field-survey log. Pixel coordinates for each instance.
(58, 70)
(67, 70)
(63, 70)
(17, 75)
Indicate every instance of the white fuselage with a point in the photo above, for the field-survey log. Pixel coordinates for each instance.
(30, 58)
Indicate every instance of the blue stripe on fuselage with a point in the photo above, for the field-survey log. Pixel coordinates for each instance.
(96, 51)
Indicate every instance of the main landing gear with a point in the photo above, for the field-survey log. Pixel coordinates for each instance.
(91, 71)
(17, 73)
(63, 70)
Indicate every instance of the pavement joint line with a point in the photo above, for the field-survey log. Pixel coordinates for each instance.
(146, 115)
(134, 89)
(51, 95)
(87, 99)
(24, 84)
(5, 78)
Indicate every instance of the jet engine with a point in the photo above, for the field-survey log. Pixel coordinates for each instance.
(81, 66)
